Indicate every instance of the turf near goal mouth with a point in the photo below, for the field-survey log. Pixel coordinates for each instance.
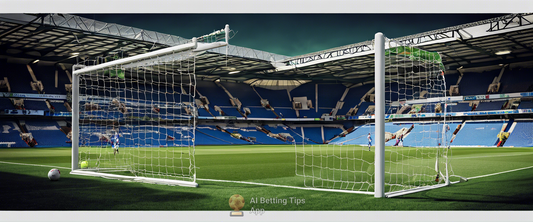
(134, 118)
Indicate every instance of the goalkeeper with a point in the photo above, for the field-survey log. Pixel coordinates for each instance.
(115, 143)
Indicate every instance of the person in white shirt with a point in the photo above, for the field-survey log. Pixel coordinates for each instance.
(369, 141)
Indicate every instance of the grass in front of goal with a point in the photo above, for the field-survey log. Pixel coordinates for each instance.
(26, 185)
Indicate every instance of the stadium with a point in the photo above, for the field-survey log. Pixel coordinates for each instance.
(141, 120)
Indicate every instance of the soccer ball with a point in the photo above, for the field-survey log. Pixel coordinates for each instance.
(236, 202)
(84, 164)
(54, 174)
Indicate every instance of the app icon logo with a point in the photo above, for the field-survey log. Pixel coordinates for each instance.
(236, 202)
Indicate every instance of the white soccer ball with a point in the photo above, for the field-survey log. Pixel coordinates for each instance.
(54, 174)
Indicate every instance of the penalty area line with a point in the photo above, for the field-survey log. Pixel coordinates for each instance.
(29, 164)
(493, 174)
(286, 186)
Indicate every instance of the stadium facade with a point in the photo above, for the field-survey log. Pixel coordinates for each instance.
(248, 96)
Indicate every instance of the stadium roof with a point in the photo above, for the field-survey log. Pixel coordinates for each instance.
(67, 39)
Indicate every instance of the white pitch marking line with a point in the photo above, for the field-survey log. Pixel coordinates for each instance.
(28, 164)
(508, 171)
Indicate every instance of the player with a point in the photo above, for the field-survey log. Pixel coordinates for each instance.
(115, 143)
(369, 141)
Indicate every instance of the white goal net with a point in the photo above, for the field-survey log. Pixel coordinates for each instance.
(416, 154)
(137, 115)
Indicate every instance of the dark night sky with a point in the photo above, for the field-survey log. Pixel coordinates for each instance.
(292, 34)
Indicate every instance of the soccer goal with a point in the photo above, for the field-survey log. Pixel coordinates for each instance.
(408, 132)
(134, 118)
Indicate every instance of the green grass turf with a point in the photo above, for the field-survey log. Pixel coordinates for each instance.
(27, 186)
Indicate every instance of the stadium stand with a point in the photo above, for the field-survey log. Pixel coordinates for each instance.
(426, 135)
(216, 137)
(204, 138)
(279, 99)
(363, 109)
(522, 135)
(19, 78)
(451, 79)
(477, 83)
(478, 134)
(204, 113)
(46, 74)
(329, 95)
(358, 136)
(330, 132)
(261, 138)
(261, 112)
(516, 80)
(354, 97)
(243, 92)
(59, 106)
(295, 133)
(526, 104)
(486, 106)
(418, 137)
(10, 134)
(5, 103)
(314, 134)
(459, 107)
(35, 105)
(47, 133)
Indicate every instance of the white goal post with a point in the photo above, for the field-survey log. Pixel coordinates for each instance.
(379, 85)
(432, 84)
(134, 118)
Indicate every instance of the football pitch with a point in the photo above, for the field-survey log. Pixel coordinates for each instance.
(499, 179)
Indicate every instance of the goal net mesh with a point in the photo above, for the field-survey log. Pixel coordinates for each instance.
(416, 133)
(138, 118)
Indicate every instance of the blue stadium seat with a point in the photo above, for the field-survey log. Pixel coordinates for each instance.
(460, 107)
(261, 138)
(354, 97)
(314, 134)
(59, 107)
(216, 137)
(526, 104)
(522, 135)
(243, 92)
(358, 136)
(9, 133)
(478, 134)
(261, 112)
(35, 105)
(330, 132)
(47, 133)
(363, 107)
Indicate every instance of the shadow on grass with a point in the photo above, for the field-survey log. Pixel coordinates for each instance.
(25, 192)
(504, 192)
